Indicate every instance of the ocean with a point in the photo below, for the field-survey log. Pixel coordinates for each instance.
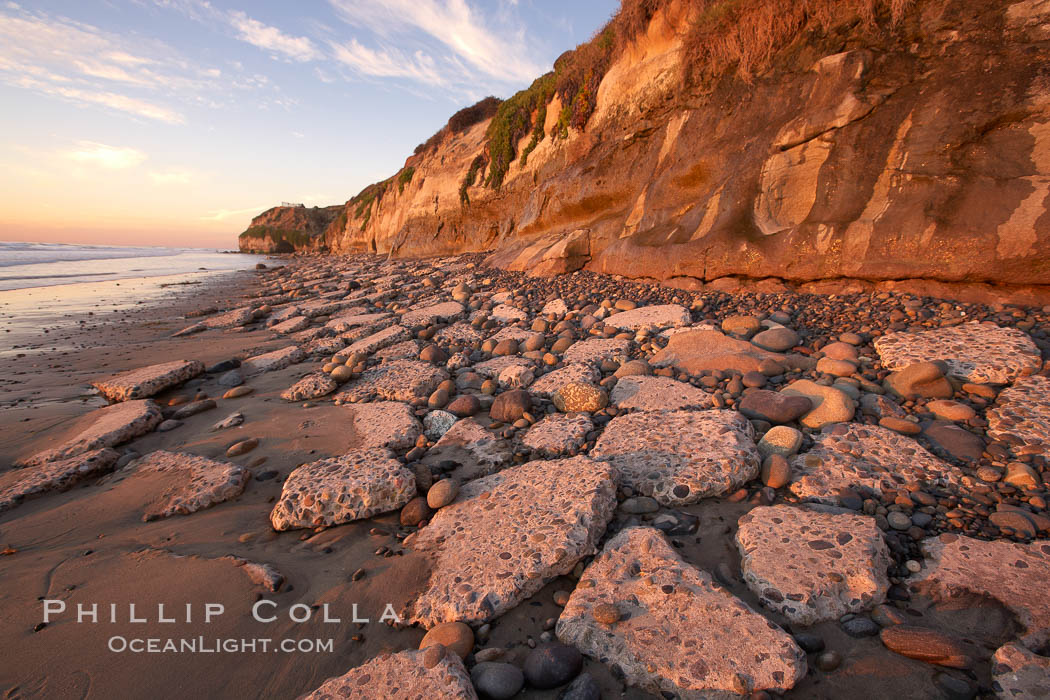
(24, 265)
(47, 290)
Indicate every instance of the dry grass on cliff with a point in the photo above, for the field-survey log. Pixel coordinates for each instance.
(747, 34)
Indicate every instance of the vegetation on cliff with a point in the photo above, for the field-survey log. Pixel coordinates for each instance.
(723, 34)
(293, 239)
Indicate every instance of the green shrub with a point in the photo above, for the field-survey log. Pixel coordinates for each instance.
(404, 178)
(296, 238)
(468, 180)
(512, 122)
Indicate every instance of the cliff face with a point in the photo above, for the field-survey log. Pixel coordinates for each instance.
(920, 150)
(286, 229)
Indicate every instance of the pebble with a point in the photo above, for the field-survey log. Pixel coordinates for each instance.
(238, 392)
(510, 406)
(829, 661)
(776, 471)
(442, 493)
(578, 397)
(415, 511)
(457, 637)
(552, 665)
(583, 688)
(242, 447)
(860, 626)
(496, 680)
(898, 520)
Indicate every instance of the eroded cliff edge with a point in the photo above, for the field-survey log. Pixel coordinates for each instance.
(913, 142)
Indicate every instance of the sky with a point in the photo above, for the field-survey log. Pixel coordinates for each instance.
(174, 122)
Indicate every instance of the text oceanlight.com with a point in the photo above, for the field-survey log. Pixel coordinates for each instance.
(202, 645)
(263, 611)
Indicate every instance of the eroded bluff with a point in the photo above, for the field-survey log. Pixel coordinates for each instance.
(922, 153)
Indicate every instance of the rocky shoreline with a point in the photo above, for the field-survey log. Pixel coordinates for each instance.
(701, 494)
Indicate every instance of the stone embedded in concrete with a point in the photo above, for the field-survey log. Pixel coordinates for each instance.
(678, 632)
(810, 566)
(200, 482)
(847, 457)
(1020, 673)
(18, 484)
(321, 308)
(231, 319)
(428, 315)
(505, 313)
(657, 394)
(497, 365)
(982, 353)
(558, 434)
(425, 674)
(1012, 573)
(272, 361)
(575, 373)
(459, 333)
(395, 380)
(380, 340)
(324, 347)
(554, 307)
(349, 321)
(519, 335)
(594, 350)
(477, 452)
(1022, 410)
(312, 386)
(111, 425)
(406, 349)
(651, 317)
(509, 534)
(147, 381)
(386, 424)
(359, 484)
(292, 325)
(680, 457)
(283, 315)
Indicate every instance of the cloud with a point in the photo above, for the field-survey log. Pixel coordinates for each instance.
(223, 214)
(103, 156)
(272, 39)
(60, 57)
(173, 177)
(387, 63)
(121, 103)
(500, 54)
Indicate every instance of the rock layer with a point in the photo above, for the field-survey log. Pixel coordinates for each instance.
(362, 483)
(1013, 574)
(199, 482)
(112, 425)
(507, 534)
(144, 382)
(679, 457)
(410, 674)
(811, 566)
(676, 631)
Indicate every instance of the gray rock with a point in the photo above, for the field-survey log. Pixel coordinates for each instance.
(498, 681)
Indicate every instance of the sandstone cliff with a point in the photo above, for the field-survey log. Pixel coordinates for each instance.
(286, 229)
(875, 140)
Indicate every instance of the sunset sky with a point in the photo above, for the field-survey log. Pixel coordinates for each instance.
(173, 122)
